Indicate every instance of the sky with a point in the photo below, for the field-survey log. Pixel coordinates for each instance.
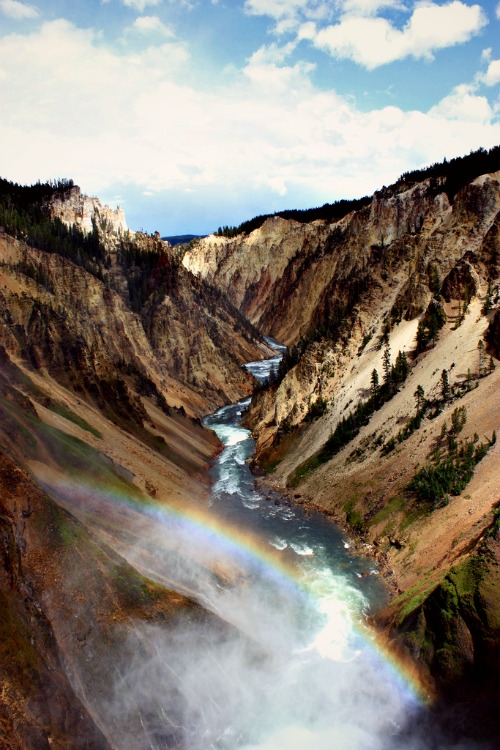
(193, 114)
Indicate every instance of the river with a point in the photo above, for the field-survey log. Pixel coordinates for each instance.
(275, 655)
(319, 680)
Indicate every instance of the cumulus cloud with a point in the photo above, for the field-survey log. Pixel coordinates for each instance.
(362, 34)
(132, 119)
(371, 42)
(492, 75)
(152, 24)
(18, 11)
(463, 104)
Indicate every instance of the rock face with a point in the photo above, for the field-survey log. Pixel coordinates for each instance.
(337, 286)
(110, 352)
(289, 277)
(74, 207)
(343, 295)
(187, 342)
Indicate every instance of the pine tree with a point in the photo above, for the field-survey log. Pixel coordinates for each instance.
(386, 365)
(374, 383)
(445, 386)
(480, 348)
(401, 368)
(419, 396)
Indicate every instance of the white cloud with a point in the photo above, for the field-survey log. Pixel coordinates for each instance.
(18, 11)
(152, 24)
(130, 119)
(498, 11)
(463, 105)
(492, 75)
(141, 5)
(371, 42)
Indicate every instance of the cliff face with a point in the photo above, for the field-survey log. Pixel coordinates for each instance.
(186, 342)
(376, 270)
(110, 351)
(74, 207)
(415, 272)
(289, 278)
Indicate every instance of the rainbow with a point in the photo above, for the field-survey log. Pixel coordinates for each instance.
(112, 508)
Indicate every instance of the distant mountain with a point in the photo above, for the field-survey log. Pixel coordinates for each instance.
(183, 239)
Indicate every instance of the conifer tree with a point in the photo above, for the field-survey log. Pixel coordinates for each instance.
(374, 383)
(480, 348)
(445, 386)
(419, 396)
(386, 365)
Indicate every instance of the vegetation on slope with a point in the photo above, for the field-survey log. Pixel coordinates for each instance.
(348, 427)
(24, 215)
(449, 176)
(328, 212)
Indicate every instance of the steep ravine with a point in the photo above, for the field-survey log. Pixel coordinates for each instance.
(109, 553)
(375, 278)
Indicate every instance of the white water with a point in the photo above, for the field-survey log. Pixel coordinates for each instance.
(280, 661)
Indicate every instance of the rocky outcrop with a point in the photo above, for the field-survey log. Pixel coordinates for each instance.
(379, 266)
(57, 315)
(74, 207)
(374, 290)
(291, 278)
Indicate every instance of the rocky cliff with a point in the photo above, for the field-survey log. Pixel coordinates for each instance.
(390, 311)
(110, 351)
(384, 416)
(75, 208)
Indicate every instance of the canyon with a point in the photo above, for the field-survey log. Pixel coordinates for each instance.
(111, 354)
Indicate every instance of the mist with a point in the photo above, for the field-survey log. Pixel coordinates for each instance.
(275, 654)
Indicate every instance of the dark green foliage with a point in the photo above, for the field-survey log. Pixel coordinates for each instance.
(24, 215)
(328, 212)
(147, 271)
(348, 427)
(432, 322)
(36, 272)
(317, 409)
(434, 281)
(420, 397)
(489, 298)
(386, 366)
(458, 419)
(401, 368)
(445, 386)
(451, 472)
(451, 176)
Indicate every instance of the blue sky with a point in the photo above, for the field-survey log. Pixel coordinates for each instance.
(191, 114)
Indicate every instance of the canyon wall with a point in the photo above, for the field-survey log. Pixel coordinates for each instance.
(362, 295)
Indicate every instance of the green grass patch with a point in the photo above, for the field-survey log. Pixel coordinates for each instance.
(394, 506)
(64, 411)
(406, 603)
